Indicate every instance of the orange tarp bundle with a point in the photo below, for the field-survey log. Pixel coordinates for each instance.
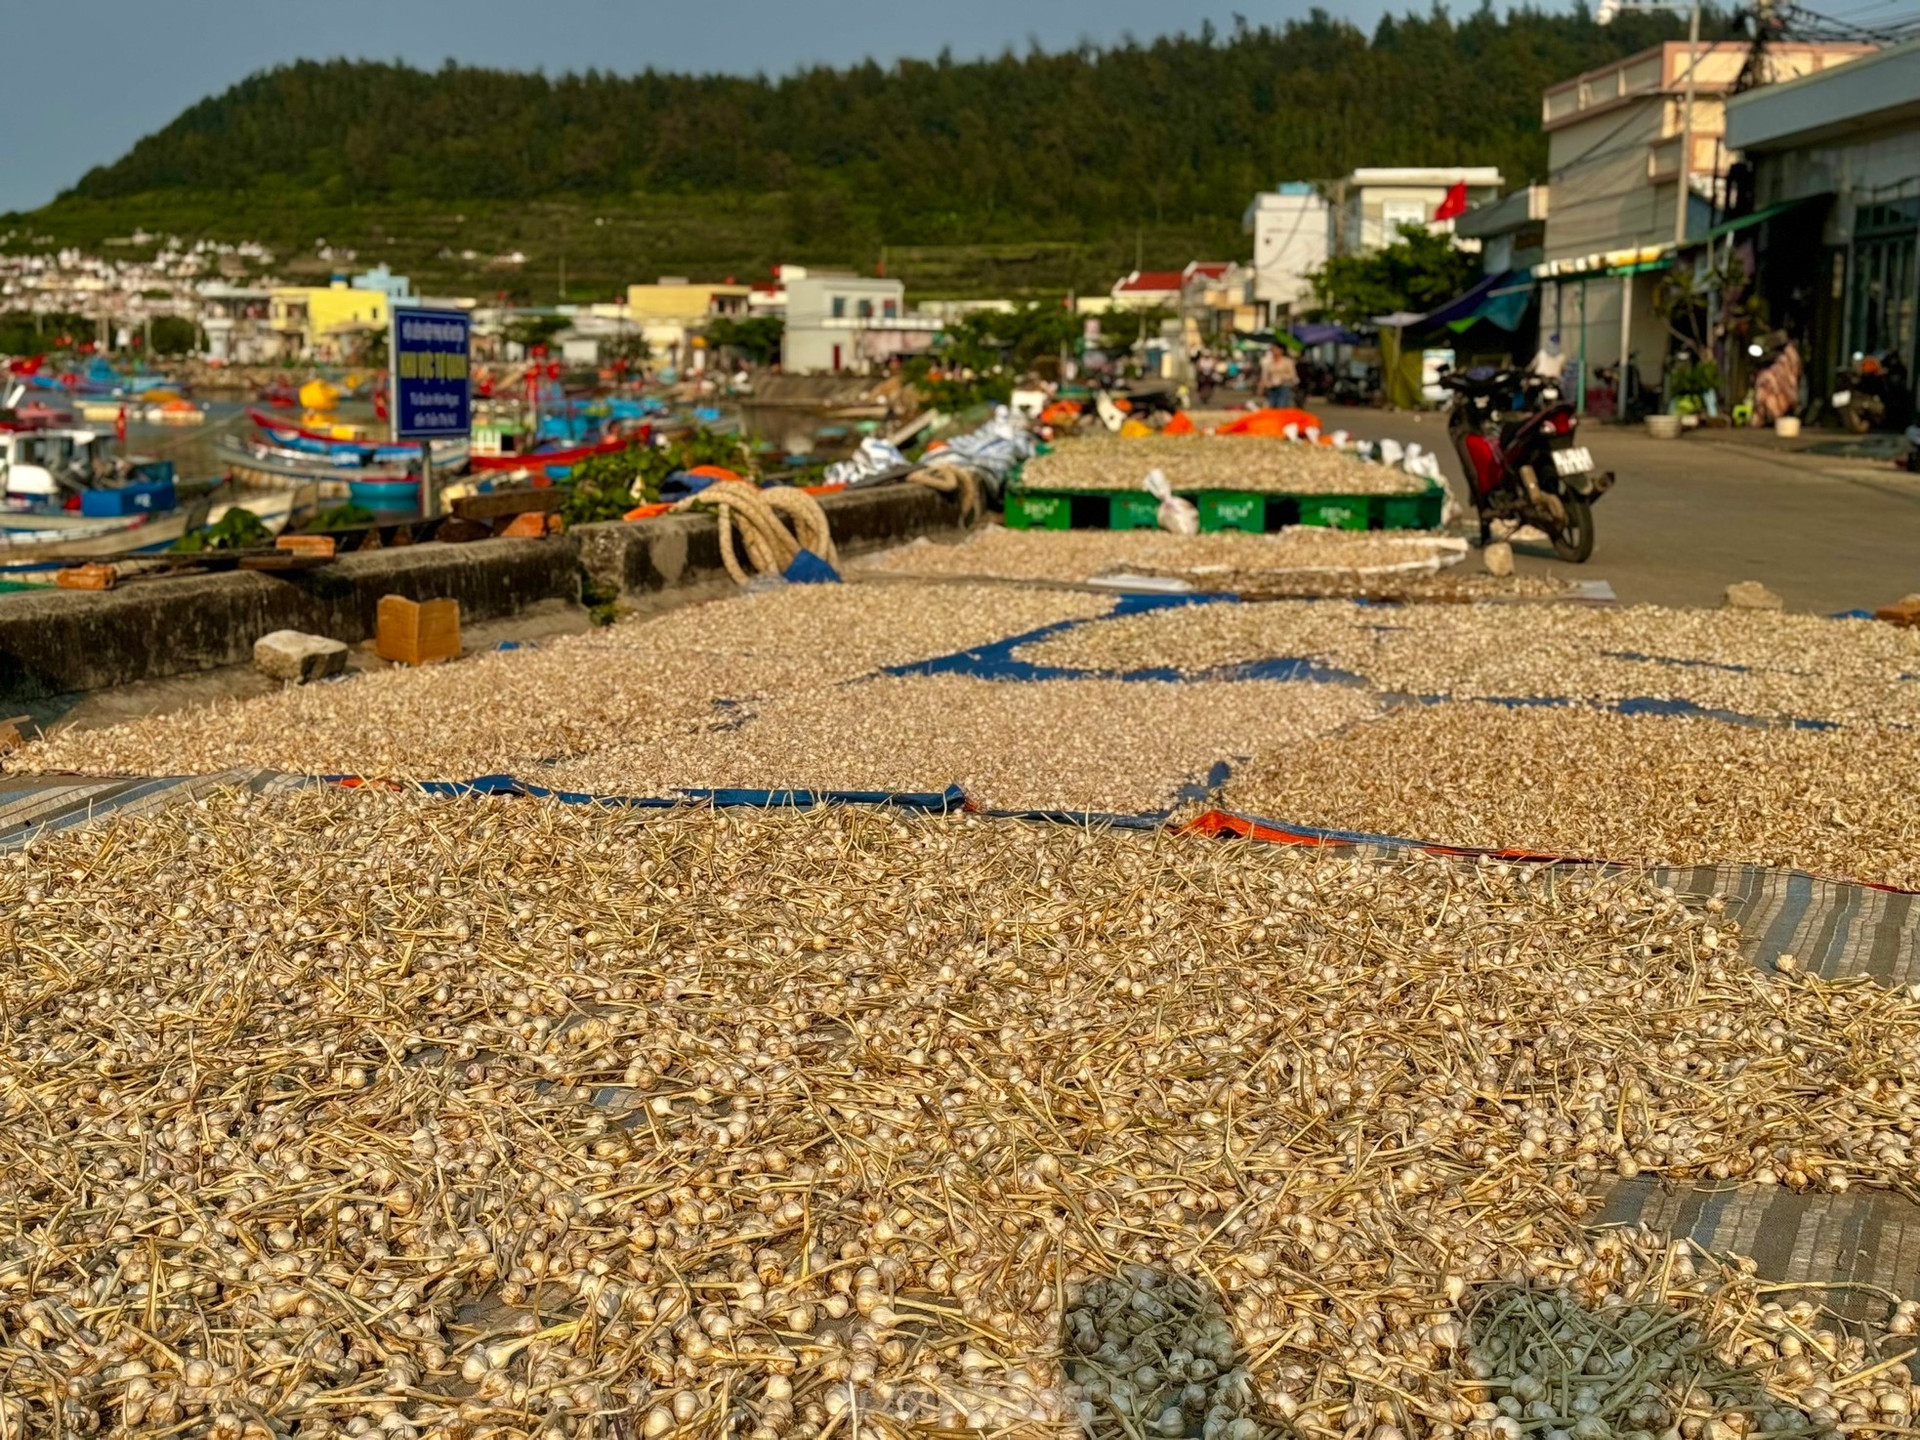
(1060, 412)
(1181, 424)
(1270, 422)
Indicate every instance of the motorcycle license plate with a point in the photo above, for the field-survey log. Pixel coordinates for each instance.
(1575, 460)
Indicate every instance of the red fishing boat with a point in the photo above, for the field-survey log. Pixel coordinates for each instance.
(544, 459)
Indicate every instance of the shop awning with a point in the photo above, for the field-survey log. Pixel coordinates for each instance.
(1327, 333)
(1505, 305)
(1744, 222)
(1500, 300)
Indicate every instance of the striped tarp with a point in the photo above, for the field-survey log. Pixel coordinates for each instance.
(32, 805)
(1852, 1249)
(1828, 926)
(1831, 927)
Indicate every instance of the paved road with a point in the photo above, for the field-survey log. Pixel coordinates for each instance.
(1689, 517)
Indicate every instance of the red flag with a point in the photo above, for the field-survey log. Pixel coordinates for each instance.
(120, 426)
(1455, 205)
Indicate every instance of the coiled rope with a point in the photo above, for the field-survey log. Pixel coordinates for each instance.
(953, 480)
(770, 541)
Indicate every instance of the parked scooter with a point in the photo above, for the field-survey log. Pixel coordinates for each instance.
(1524, 465)
(1876, 393)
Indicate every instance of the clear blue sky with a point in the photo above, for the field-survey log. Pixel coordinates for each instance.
(85, 82)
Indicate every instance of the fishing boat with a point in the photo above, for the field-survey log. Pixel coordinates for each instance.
(385, 494)
(378, 487)
(32, 527)
(548, 460)
(98, 378)
(312, 427)
(146, 534)
(54, 468)
(354, 441)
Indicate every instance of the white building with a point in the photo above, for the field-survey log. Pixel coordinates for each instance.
(1371, 205)
(849, 322)
(1291, 228)
(1298, 226)
(235, 321)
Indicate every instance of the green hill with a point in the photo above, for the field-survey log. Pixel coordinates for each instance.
(1028, 171)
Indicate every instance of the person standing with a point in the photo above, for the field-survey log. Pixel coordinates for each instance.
(1278, 376)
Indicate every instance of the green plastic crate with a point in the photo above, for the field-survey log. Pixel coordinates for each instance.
(1233, 510)
(1131, 511)
(1029, 511)
(1334, 512)
(1413, 512)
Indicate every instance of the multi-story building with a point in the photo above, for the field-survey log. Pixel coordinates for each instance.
(1623, 147)
(326, 322)
(1291, 230)
(235, 321)
(1300, 224)
(1370, 205)
(845, 322)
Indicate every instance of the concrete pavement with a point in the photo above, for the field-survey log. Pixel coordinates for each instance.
(1689, 517)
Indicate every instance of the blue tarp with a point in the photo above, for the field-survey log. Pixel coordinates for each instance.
(1329, 333)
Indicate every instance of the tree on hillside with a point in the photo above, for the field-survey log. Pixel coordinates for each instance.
(1076, 145)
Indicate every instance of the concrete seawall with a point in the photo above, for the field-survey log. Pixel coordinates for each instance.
(65, 641)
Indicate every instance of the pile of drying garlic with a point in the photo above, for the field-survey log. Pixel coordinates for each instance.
(1147, 1351)
(1800, 666)
(352, 1112)
(1299, 551)
(1193, 463)
(1647, 1366)
(512, 710)
(1677, 790)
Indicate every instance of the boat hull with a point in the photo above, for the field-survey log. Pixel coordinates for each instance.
(151, 534)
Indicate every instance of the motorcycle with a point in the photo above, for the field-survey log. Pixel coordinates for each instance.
(1876, 392)
(1524, 464)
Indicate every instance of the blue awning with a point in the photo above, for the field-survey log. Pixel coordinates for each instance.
(1465, 306)
(1499, 300)
(1505, 305)
(1328, 333)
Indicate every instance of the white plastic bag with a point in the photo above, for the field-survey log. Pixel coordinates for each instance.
(1176, 516)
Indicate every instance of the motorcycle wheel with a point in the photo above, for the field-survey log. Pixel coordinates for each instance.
(1573, 541)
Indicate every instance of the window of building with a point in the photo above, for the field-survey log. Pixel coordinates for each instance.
(866, 309)
(839, 307)
(1395, 213)
(890, 308)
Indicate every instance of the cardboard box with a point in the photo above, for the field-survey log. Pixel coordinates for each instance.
(409, 632)
(87, 577)
(530, 526)
(1903, 612)
(306, 544)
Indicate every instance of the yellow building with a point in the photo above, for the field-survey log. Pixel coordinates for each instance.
(672, 299)
(326, 322)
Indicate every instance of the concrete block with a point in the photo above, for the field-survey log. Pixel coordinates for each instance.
(298, 657)
(1752, 595)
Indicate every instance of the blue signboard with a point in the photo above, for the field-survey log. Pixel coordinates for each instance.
(428, 357)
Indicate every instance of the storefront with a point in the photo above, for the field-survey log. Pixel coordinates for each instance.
(1839, 147)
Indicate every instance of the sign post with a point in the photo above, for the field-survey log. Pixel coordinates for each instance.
(429, 362)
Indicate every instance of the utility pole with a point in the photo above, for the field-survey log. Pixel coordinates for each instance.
(1684, 193)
